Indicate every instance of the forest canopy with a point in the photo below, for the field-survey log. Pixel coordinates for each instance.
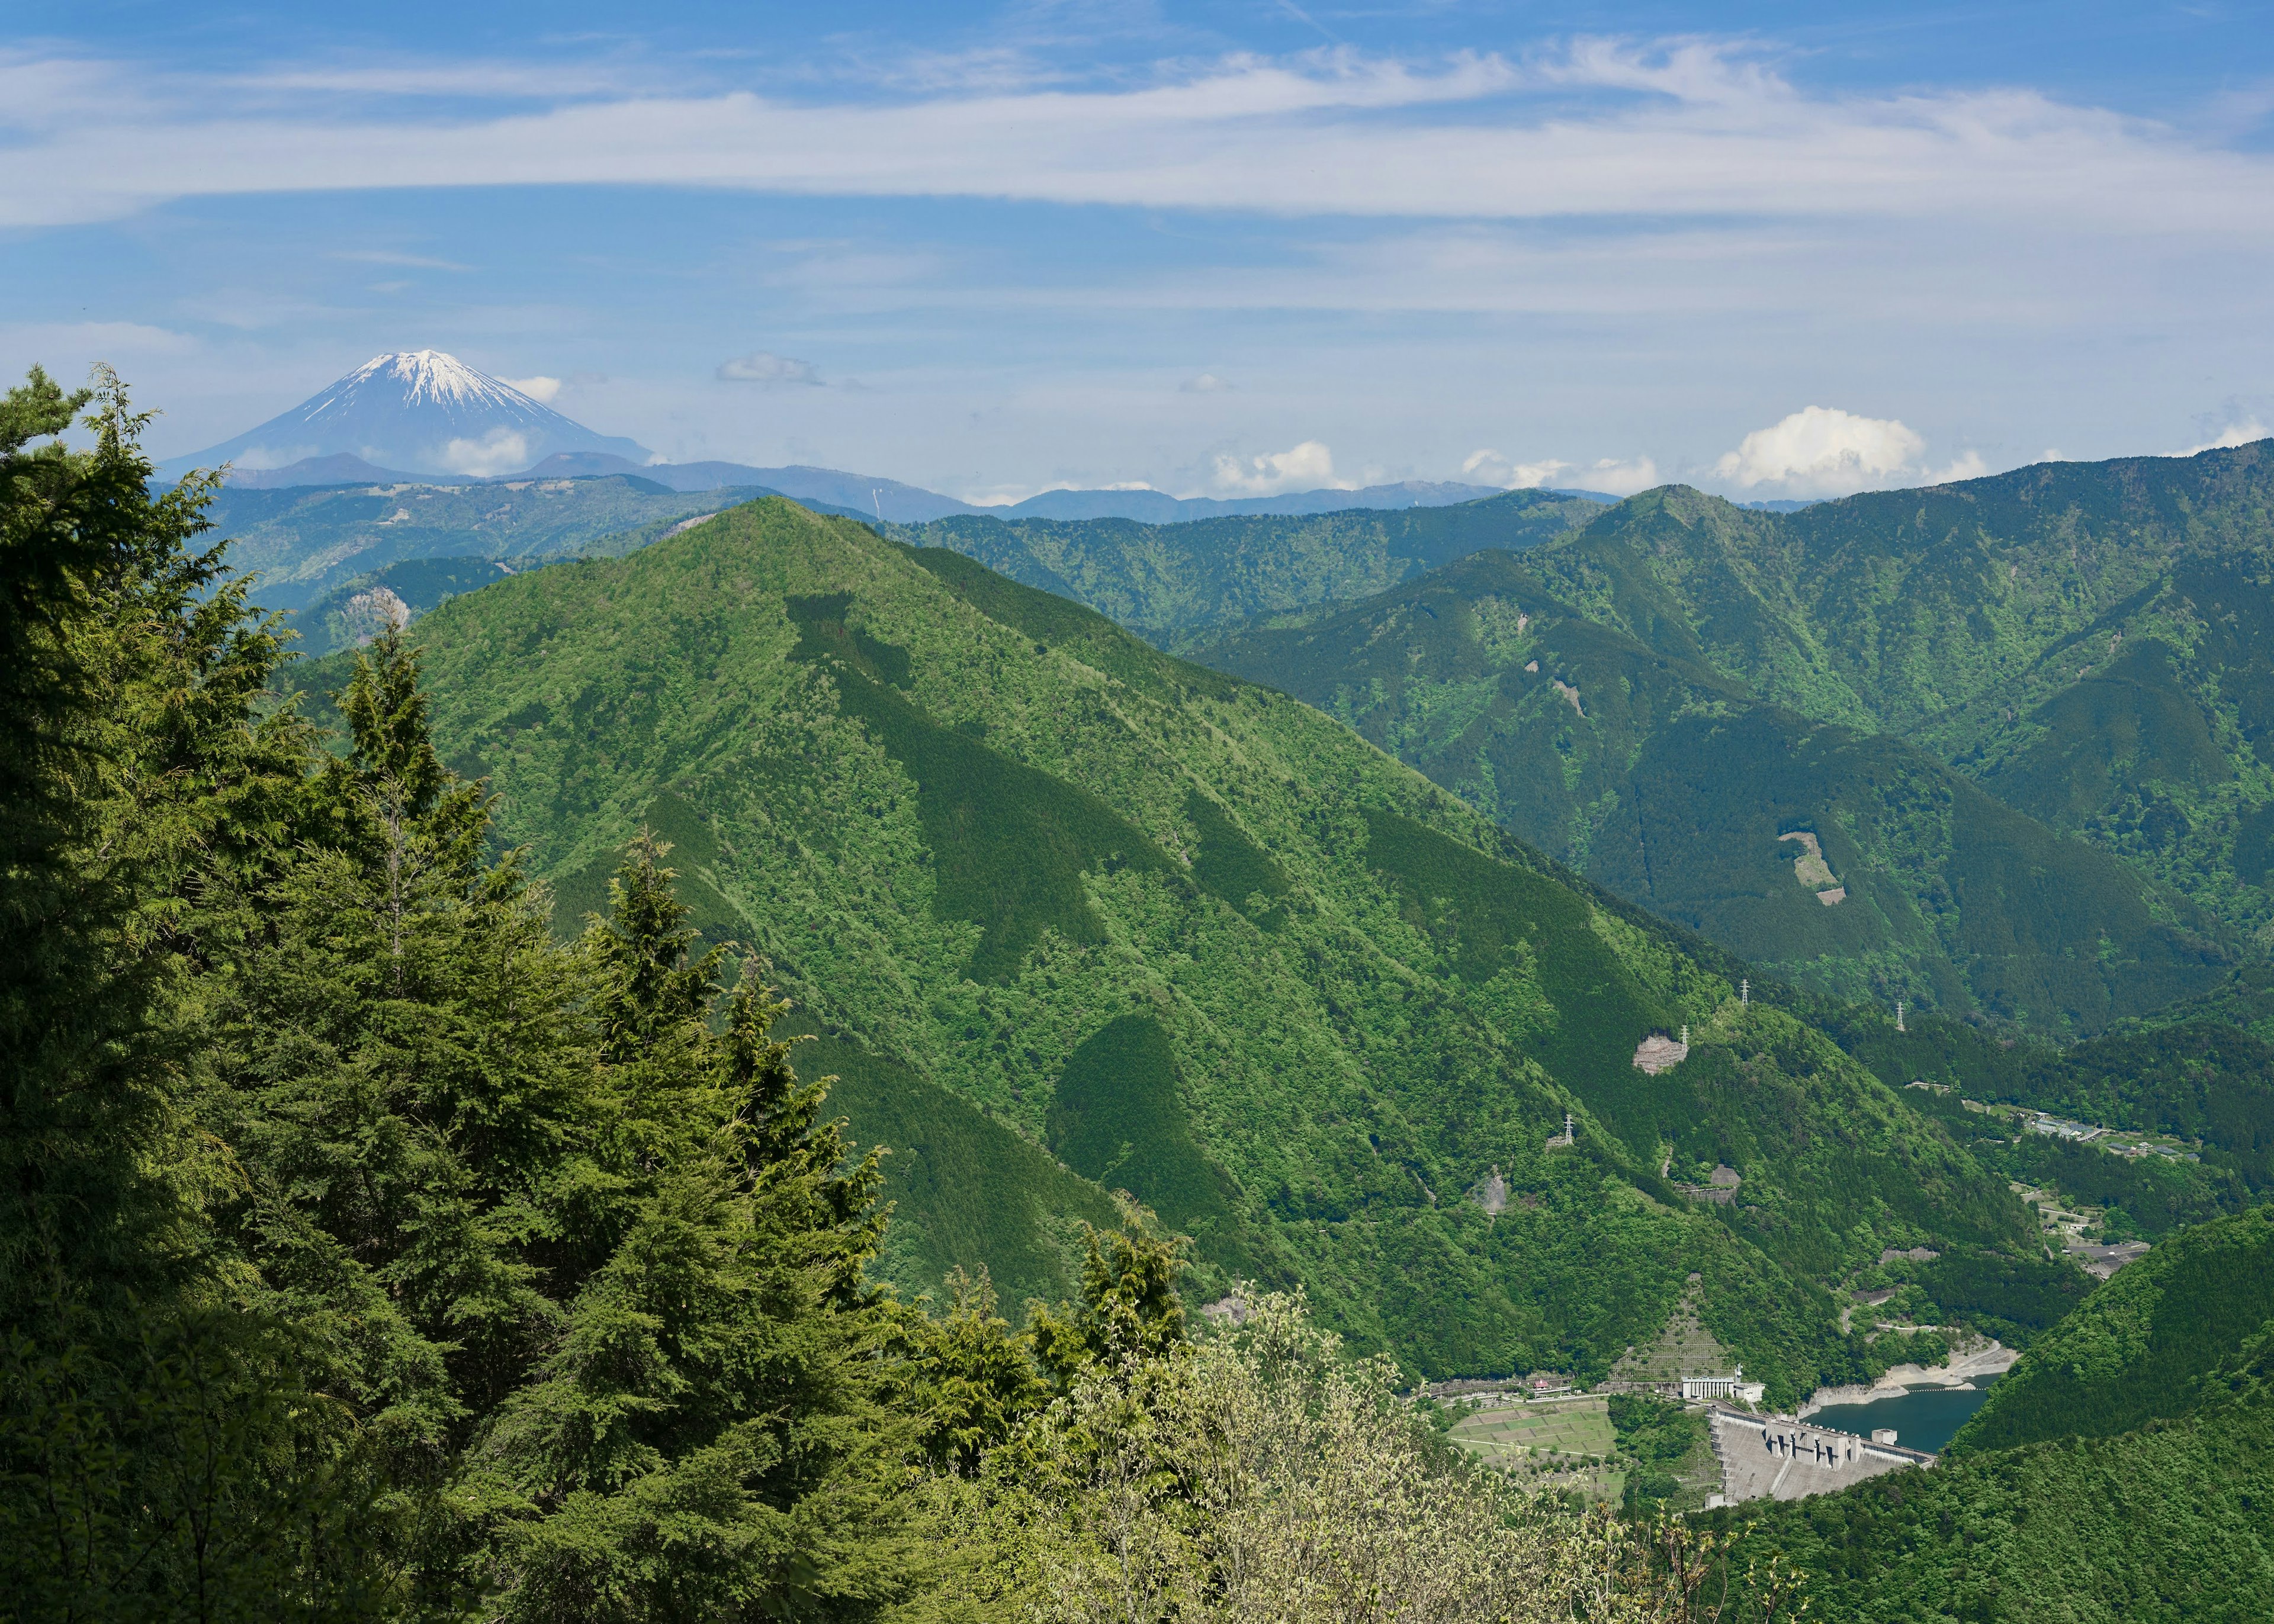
(370, 1251)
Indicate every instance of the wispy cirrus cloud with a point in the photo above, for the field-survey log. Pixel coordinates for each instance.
(1692, 130)
(385, 256)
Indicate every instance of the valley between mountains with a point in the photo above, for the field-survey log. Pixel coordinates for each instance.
(1071, 916)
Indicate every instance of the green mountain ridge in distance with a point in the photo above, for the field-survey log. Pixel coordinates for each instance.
(2121, 1471)
(2085, 640)
(1173, 583)
(1844, 859)
(1091, 918)
(2018, 720)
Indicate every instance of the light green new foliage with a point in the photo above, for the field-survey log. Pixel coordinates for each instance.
(980, 833)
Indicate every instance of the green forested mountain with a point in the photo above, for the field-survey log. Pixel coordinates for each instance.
(1174, 584)
(2200, 1072)
(1072, 916)
(1953, 692)
(303, 541)
(368, 1251)
(1845, 859)
(2164, 1336)
(2120, 1472)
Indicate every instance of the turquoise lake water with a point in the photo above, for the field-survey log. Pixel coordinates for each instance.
(1923, 1418)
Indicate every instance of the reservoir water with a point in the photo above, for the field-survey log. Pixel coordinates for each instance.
(1923, 1418)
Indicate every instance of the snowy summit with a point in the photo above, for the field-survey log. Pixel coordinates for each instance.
(419, 412)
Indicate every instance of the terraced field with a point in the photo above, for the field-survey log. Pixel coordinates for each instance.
(1568, 1442)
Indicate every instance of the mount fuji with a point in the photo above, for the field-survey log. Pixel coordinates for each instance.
(419, 411)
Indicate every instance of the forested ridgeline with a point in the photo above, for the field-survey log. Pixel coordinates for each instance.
(367, 1251)
(2015, 720)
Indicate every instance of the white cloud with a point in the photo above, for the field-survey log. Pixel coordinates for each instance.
(1206, 383)
(2239, 434)
(417, 262)
(1824, 451)
(1617, 477)
(1494, 468)
(1308, 467)
(500, 451)
(1694, 130)
(765, 367)
(542, 390)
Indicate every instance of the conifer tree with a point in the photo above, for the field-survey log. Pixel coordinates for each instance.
(159, 1456)
(710, 1437)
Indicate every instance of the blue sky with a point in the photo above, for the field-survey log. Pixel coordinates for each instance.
(1772, 250)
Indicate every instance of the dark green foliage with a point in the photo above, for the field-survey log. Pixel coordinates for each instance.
(2147, 1345)
(1487, 916)
(1117, 1117)
(970, 1377)
(161, 1456)
(1058, 622)
(1662, 1439)
(1129, 1310)
(823, 634)
(1230, 865)
(967, 1192)
(2015, 1299)
(1010, 844)
(2126, 722)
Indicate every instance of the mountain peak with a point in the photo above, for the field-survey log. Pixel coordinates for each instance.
(423, 412)
(426, 375)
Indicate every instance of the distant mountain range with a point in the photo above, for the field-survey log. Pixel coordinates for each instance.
(2003, 746)
(424, 417)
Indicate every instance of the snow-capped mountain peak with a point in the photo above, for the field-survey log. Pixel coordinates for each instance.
(430, 376)
(420, 410)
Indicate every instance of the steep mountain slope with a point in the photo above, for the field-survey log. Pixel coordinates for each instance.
(1174, 583)
(2086, 641)
(2120, 1472)
(1844, 859)
(418, 410)
(2157, 1342)
(1200, 942)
